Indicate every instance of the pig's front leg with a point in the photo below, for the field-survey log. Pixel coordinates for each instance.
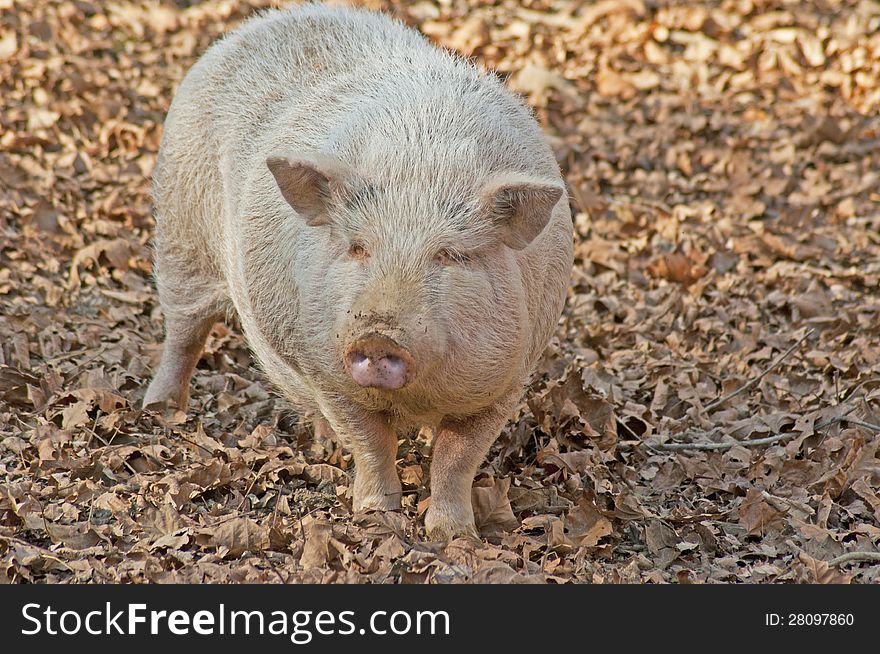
(184, 340)
(373, 442)
(460, 446)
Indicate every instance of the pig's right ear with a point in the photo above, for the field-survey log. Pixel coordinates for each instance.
(520, 206)
(309, 184)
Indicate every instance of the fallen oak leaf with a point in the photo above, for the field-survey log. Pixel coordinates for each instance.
(676, 267)
(115, 251)
(492, 511)
(233, 537)
(316, 549)
(820, 572)
(757, 516)
(585, 525)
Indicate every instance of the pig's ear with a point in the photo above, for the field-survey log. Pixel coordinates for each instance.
(520, 206)
(309, 184)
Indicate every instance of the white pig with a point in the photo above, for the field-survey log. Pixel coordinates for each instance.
(389, 224)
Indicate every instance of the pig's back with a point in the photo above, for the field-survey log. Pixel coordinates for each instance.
(308, 62)
(300, 77)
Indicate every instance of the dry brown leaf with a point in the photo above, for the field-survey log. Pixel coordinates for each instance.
(492, 511)
(585, 526)
(757, 516)
(676, 267)
(233, 537)
(819, 572)
(316, 548)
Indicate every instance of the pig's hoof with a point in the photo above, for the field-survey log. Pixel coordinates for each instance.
(161, 394)
(388, 502)
(159, 403)
(445, 528)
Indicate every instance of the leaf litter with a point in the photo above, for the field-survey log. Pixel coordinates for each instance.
(706, 413)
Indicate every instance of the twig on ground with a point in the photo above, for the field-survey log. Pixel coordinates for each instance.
(756, 380)
(784, 504)
(855, 556)
(866, 425)
(674, 447)
(768, 440)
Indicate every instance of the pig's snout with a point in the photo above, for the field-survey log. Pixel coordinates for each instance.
(376, 361)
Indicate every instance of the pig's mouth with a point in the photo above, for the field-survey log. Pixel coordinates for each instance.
(377, 361)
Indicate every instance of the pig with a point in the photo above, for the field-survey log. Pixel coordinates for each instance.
(387, 221)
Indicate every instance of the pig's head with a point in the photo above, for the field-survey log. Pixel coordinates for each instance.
(431, 293)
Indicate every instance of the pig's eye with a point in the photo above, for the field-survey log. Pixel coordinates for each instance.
(357, 251)
(447, 257)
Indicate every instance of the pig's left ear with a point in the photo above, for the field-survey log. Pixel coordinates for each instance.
(520, 206)
(310, 183)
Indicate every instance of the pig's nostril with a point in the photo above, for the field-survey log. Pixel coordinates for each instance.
(359, 366)
(391, 365)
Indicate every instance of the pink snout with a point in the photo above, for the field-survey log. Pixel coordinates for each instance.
(376, 361)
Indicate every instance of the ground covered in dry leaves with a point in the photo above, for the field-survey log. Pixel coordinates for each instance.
(709, 408)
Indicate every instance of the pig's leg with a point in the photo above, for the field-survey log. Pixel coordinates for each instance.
(373, 443)
(460, 446)
(192, 302)
(184, 340)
